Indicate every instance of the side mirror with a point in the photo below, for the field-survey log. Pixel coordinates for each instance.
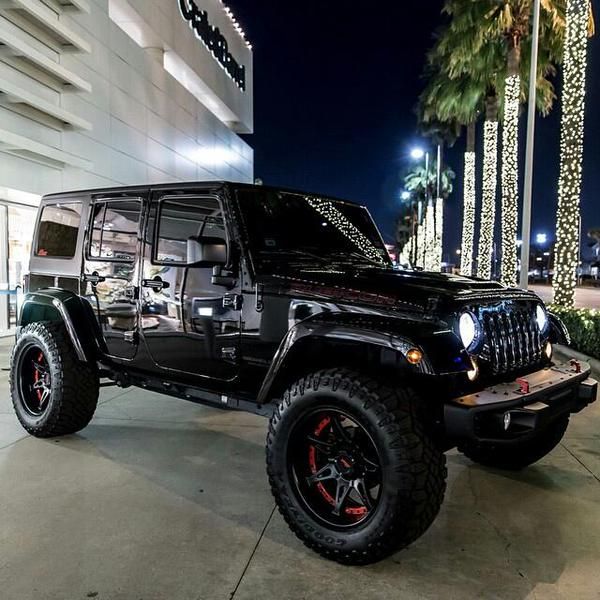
(206, 252)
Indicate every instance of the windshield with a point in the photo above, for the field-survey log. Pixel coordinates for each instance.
(287, 231)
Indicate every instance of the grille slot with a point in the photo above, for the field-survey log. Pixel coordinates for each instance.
(513, 339)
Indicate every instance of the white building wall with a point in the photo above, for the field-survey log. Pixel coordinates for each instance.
(130, 122)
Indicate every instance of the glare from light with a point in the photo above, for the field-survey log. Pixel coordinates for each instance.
(417, 153)
(405, 195)
(541, 238)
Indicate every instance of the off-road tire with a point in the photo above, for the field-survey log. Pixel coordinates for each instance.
(521, 455)
(74, 385)
(414, 469)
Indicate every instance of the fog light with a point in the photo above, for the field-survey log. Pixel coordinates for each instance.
(473, 374)
(414, 356)
(507, 420)
(548, 350)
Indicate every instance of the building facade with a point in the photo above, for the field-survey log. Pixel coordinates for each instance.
(98, 93)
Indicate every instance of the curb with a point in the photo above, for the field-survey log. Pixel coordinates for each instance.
(566, 353)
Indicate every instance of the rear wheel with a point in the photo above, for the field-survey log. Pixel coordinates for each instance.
(352, 471)
(521, 454)
(53, 393)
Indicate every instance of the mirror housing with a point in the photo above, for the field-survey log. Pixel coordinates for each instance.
(206, 252)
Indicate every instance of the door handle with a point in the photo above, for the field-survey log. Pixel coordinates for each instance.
(156, 284)
(94, 278)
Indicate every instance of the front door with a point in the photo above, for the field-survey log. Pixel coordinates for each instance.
(190, 314)
(110, 272)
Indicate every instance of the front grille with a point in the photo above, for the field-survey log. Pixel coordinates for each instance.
(513, 339)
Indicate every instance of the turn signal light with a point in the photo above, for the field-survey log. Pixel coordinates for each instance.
(414, 356)
(548, 350)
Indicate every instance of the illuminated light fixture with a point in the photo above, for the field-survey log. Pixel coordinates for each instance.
(468, 233)
(405, 195)
(414, 356)
(473, 373)
(488, 206)
(571, 152)
(541, 317)
(507, 421)
(417, 153)
(510, 181)
(469, 330)
(548, 350)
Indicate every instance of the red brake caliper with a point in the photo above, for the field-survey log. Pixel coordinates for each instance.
(36, 376)
(357, 512)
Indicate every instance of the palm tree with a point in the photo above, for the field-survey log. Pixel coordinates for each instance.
(422, 185)
(456, 102)
(510, 20)
(580, 24)
(485, 39)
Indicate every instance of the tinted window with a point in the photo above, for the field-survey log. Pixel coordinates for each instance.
(58, 230)
(287, 231)
(115, 228)
(185, 218)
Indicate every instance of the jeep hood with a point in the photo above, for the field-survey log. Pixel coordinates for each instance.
(410, 290)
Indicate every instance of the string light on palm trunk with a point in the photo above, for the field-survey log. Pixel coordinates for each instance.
(468, 233)
(488, 207)
(430, 247)
(510, 182)
(439, 235)
(571, 153)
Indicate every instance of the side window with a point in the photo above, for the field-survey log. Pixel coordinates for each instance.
(115, 229)
(58, 230)
(183, 218)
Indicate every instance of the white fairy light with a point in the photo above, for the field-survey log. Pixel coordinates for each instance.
(571, 153)
(510, 180)
(429, 246)
(488, 206)
(236, 25)
(468, 233)
(439, 235)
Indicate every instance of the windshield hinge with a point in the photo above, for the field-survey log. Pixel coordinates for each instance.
(259, 304)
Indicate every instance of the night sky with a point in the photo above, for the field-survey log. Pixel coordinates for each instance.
(335, 88)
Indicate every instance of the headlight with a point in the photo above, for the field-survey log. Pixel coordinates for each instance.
(468, 328)
(541, 316)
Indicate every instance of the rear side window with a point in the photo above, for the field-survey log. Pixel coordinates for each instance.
(58, 230)
(184, 218)
(115, 229)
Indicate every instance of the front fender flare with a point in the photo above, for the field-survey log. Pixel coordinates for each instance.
(443, 353)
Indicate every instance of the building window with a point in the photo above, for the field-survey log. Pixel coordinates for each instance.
(185, 218)
(115, 228)
(58, 230)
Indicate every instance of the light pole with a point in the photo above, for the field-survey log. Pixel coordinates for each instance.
(528, 188)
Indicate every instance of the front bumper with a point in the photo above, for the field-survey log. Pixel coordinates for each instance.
(508, 412)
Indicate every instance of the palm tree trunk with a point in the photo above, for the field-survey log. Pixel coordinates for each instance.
(490, 186)
(469, 205)
(510, 166)
(571, 153)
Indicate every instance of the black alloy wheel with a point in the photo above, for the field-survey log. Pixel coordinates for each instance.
(335, 467)
(34, 381)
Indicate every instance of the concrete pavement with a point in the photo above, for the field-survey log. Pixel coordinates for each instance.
(585, 297)
(161, 499)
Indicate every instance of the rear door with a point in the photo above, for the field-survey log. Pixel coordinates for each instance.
(191, 315)
(111, 270)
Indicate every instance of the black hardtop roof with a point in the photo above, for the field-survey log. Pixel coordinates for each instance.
(182, 186)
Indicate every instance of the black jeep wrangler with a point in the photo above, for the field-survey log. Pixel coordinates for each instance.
(287, 304)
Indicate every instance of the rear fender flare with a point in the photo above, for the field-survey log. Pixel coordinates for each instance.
(74, 312)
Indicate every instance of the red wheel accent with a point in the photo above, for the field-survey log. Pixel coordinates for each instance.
(36, 376)
(358, 512)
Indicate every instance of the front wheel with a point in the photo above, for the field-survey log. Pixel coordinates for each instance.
(53, 394)
(353, 472)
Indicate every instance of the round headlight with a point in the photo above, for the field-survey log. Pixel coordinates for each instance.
(468, 327)
(541, 317)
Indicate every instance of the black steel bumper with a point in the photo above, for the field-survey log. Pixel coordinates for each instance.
(508, 412)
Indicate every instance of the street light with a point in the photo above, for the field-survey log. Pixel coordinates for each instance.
(405, 195)
(541, 238)
(417, 153)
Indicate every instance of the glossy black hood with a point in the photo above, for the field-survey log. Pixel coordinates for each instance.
(417, 291)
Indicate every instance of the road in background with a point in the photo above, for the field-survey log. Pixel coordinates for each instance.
(584, 297)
